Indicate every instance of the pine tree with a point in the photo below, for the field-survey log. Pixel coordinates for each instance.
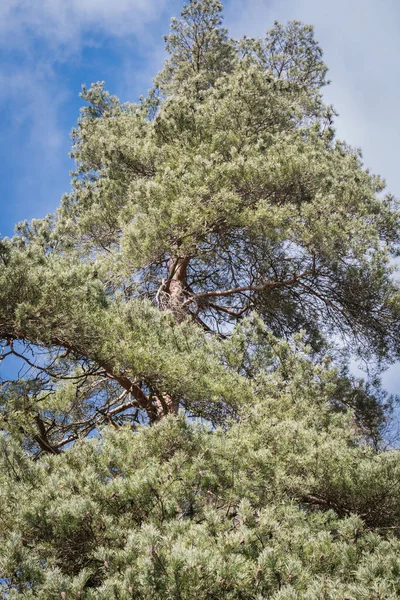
(160, 309)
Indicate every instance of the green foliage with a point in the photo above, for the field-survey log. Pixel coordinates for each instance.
(182, 426)
(288, 503)
(236, 172)
(199, 48)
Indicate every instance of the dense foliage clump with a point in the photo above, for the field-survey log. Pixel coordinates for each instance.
(184, 424)
(286, 503)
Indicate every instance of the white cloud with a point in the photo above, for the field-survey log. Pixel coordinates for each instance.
(65, 21)
(34, 140)
(38, 37)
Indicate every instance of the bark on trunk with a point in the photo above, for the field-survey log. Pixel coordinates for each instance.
(177, 272)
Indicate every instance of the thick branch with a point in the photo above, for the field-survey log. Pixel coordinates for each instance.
(42, 438)
(247, 288)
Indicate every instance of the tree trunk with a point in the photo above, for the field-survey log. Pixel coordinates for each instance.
(177, 271)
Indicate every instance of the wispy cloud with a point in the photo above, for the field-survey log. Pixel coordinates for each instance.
(47, 50)
(65, 22)
(33, 143)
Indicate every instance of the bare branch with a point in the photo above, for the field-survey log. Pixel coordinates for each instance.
(247, 288)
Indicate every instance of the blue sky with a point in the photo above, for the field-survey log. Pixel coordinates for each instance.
(48, 48)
